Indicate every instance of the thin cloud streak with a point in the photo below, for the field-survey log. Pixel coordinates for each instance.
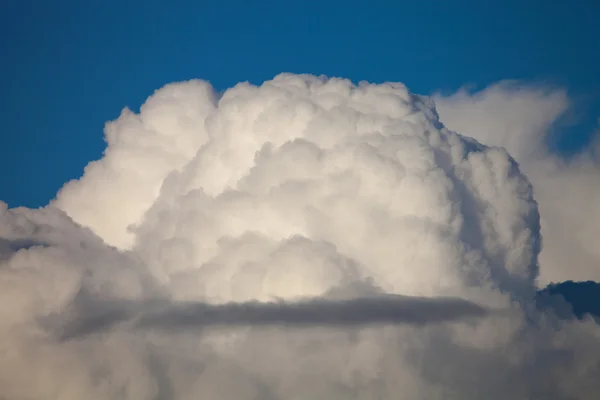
(388, 309)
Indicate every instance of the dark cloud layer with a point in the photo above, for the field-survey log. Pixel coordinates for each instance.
(389, 309)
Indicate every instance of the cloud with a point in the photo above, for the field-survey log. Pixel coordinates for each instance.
(510, 114)
(386, 309)
(337, 239)
(142, 150)
(523, 119)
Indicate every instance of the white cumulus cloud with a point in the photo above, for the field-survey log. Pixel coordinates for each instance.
(522, 118)
(304, 239)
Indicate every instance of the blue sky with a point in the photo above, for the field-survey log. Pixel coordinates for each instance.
(69, 66)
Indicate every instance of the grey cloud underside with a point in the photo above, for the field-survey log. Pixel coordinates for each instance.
(388, 309)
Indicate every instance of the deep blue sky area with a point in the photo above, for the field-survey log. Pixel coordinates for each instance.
(69, 66)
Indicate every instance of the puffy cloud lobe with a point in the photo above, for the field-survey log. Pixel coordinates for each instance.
(523, 118)
(47, 262)
(142, 150)
(240, 208)
(381, 194)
